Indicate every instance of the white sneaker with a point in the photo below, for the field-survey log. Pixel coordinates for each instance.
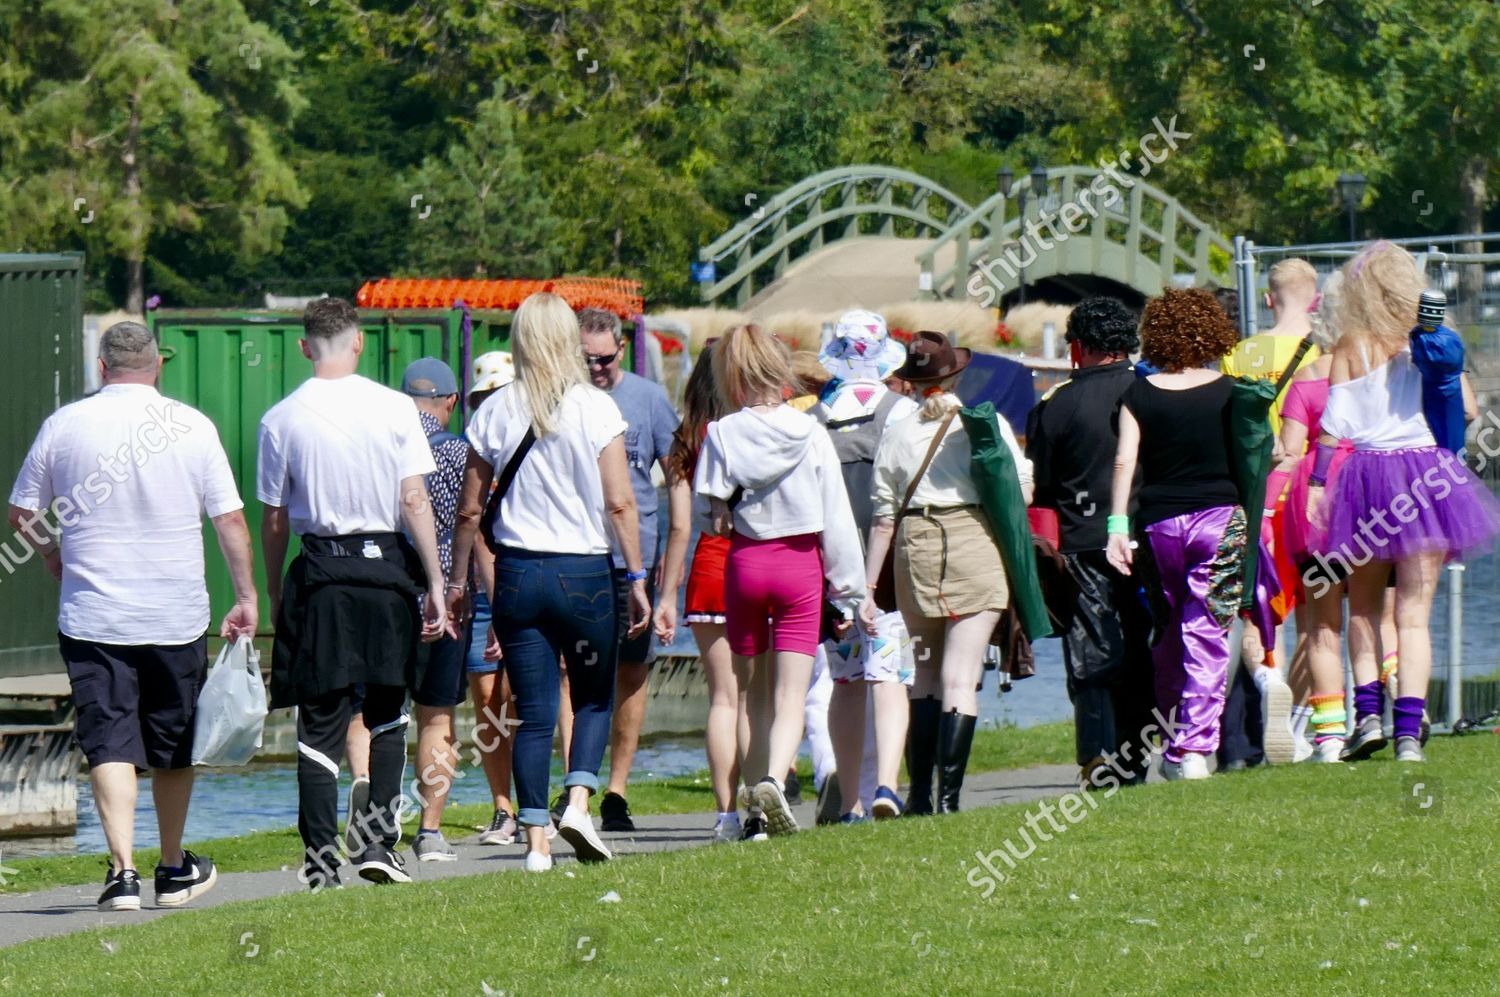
(1191, 767)
(771, 798)
(1303, 750)
(537, 862)
(1409, 749)
(1328, 751)
(1276, 715)
(577, 829)
(727, 830)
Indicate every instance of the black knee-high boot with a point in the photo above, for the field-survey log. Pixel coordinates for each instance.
(921, 753)
(955, 738)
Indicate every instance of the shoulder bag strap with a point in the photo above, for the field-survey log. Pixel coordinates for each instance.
(507, 475)
(1291, 368)
(932, 450)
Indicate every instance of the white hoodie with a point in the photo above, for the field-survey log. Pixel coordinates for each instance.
(792, 484)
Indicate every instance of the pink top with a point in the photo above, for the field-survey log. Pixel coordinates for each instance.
(1304, 403)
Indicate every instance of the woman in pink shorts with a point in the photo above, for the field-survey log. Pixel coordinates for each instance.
(704, 610)
(771, 482)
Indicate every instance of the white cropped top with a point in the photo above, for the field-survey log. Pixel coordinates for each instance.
(1381, 410)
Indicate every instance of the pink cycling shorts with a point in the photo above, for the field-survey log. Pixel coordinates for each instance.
(773, 594)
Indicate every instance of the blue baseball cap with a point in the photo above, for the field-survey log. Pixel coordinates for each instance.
(429, 377)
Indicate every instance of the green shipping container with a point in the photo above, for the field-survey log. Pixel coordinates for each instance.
(41, 325)
(234, 366)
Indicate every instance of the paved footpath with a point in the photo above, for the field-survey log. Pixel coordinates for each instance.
(66, 909)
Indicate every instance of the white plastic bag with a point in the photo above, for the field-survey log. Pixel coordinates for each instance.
(231, 708)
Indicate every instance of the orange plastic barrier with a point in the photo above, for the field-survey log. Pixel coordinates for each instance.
(623, 297)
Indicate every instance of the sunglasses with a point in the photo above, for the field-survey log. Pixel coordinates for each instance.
(601, 361)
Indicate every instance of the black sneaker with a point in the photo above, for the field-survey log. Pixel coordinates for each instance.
(122, 891)
(175, 887)
(614, 813)
(559, 805)
(755, 829)
(793, 788)
(830, 801)
(381, 865)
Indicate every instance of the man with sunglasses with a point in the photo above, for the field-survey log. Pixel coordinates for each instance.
(650, 421)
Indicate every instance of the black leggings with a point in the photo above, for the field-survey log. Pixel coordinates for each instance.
(322, 726)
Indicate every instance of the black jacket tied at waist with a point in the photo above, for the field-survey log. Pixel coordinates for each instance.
(348, 613)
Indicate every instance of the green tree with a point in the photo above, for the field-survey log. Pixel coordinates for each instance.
(139, 117)
(488, 217)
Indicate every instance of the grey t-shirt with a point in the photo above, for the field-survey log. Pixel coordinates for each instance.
(650, 419)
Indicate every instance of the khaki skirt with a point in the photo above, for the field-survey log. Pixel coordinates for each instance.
(947, 564)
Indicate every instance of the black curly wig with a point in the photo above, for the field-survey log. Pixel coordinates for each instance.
(1104, 324)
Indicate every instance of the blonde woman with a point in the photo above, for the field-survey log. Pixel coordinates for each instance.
(558, 445)
(1398, 500)
(769, 479)
(950, 584)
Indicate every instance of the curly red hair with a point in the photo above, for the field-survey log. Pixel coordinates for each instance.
(1184, 329)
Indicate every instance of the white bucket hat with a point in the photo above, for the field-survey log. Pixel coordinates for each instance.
(493, 370)
(862, 349)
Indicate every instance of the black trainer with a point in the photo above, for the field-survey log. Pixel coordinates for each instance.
(558, 806)
(614, 813)
(793, 788)
(380, 865)
(755, 829)
(122, 890)
(175, 887)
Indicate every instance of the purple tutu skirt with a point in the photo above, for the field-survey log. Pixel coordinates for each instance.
(1387, 505)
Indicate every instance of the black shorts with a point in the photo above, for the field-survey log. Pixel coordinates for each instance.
(635, 650)
(135, 703)
(440, 679)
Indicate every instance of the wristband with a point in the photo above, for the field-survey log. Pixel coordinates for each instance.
(1117, 524)
(454, 587)
(1321, 463)
(636, 576)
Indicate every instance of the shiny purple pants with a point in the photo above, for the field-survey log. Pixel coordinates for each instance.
(1198, 566)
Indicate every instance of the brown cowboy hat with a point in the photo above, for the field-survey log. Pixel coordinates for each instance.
(931, 357)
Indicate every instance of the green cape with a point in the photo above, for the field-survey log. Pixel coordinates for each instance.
(993, 470)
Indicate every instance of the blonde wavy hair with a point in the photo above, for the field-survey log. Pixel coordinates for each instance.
(1381, 289)
(548, 355)
(1325, 321)
(751, 365)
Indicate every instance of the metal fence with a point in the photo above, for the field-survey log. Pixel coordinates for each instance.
(1466, 658)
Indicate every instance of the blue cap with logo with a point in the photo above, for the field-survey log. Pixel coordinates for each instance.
(429, 377)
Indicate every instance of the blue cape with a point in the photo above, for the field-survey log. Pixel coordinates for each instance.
(1439, 356)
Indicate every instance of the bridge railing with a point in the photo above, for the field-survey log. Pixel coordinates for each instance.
(830, 206)
(1115, 230)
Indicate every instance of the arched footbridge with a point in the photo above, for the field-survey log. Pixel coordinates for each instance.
(866, 235)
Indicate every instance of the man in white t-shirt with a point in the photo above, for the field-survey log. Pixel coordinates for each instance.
(342, 464)
(128, 476)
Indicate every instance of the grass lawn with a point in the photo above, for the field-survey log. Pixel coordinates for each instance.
(1307, 879)
(1002, 748)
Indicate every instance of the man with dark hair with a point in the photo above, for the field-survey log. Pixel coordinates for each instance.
(1071, 438)
(650, 420)
(343, 462)
(128, 476)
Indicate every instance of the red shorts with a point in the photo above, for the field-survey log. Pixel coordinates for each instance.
(705, 587)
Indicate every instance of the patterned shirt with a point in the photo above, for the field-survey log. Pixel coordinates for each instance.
(444, 485)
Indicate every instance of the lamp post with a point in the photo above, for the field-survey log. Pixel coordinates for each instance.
(1005, 179)
(1351, 188)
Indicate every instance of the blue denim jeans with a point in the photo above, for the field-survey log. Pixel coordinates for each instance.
(546, 607)
(479, 635)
